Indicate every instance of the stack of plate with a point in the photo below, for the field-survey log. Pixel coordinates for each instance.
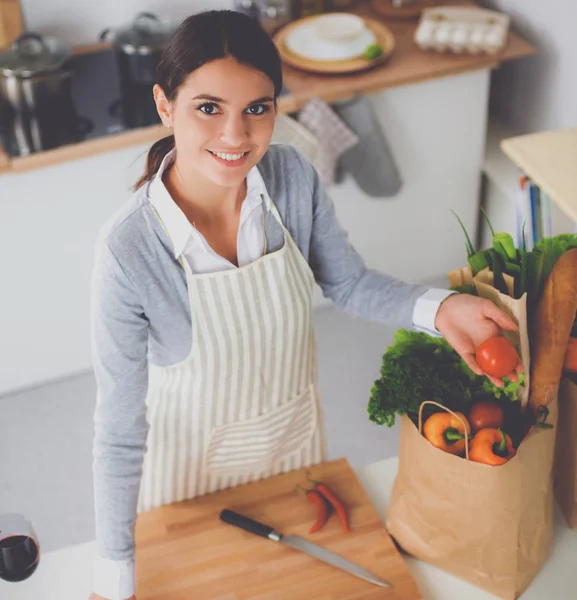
(333, 43)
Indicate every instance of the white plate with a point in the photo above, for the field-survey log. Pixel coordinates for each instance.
(339, 26)
(305, 42)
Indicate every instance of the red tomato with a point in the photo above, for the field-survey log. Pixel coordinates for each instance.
(571, 356)
(497, 356)
(486, 414)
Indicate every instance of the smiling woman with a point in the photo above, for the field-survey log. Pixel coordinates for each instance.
(202, 337)
(226, 121)
(217, 90)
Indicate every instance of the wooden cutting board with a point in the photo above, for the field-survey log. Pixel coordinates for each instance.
(184, 551)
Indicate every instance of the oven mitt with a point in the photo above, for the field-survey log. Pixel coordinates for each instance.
(370, 162)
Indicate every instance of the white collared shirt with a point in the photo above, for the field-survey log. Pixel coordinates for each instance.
(192, 245)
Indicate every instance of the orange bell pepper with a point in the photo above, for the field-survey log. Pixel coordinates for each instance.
(446, 432)
(491, 447)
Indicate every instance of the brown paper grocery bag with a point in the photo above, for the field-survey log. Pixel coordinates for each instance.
(492, 526)
(566, 452)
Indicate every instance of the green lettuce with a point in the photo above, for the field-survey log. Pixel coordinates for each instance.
(418, 367)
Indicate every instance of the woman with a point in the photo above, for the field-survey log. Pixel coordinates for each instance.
(201, 318)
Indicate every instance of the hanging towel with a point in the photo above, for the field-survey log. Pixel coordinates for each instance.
(332, 132)
(289, 131)
(370, 162)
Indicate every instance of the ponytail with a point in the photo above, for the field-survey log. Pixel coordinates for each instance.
(155, 157)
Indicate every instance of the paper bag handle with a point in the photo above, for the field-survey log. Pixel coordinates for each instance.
(450, 411)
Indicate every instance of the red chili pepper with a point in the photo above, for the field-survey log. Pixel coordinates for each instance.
(323, 509)
(335, 501)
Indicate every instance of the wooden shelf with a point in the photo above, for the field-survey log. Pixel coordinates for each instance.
(408, 65)
(549, 159)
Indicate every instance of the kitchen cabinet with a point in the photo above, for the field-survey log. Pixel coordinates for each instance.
(11, 22)
(432, 109)
(409, 65)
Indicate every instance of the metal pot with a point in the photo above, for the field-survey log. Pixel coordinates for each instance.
(138, 49)
(36, 109)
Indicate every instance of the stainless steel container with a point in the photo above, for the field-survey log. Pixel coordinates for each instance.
(36, 109)
(138, 48)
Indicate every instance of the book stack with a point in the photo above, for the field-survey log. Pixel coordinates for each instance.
(533, 213)
(548, 163)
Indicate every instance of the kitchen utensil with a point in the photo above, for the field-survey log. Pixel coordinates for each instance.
(19, 549)
(184, 551)
(37, 112)
(139, 47)
(344, 58)
(298, 543)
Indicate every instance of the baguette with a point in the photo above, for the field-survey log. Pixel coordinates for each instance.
(555, 317)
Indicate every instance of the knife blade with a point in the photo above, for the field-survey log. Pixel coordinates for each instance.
(301, 544)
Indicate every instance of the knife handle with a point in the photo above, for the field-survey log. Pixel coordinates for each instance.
(233, 518)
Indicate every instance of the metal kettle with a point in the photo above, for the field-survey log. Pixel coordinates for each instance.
(36, 109)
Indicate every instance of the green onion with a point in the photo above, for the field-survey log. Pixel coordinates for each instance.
(494, 260)
(505, 245)
(477, 262)
(488, 222)
(468, 243)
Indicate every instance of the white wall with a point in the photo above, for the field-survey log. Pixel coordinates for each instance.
(49, 222)
(537, 93)
(81, 21)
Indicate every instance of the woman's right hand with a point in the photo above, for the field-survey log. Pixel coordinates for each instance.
(97, 597)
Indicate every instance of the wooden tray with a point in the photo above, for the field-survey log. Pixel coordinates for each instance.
(184, 551)
(386, 10)
(383, 34)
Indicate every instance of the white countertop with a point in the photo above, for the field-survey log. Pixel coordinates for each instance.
(67, 574)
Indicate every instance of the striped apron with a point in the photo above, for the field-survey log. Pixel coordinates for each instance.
(244, 404)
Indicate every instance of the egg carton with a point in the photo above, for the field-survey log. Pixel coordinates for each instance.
(460, 30)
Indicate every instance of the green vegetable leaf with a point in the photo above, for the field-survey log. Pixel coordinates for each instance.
(509, 390)
(373, 51)
(418, 367)
(488, 222)
(468, 243)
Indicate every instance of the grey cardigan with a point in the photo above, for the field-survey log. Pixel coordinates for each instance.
(140, 313)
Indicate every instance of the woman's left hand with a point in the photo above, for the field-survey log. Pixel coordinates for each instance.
(466, 321)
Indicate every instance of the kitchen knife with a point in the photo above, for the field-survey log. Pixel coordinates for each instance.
(298, 543)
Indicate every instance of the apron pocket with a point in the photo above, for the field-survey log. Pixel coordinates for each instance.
(261, 442)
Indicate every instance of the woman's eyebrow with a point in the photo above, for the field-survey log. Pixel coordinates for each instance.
(222, 101)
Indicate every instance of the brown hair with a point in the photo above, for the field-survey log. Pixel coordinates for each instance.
(202, 38)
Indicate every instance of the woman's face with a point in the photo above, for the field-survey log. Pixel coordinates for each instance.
(223, 120)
